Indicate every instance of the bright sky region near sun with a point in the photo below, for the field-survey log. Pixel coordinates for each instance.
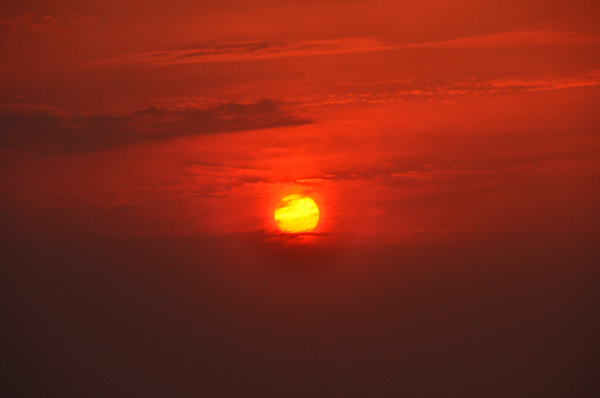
(189, 117)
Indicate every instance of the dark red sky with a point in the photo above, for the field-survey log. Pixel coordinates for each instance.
(467, 129)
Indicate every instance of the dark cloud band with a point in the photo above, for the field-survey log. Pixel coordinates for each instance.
(53, 133)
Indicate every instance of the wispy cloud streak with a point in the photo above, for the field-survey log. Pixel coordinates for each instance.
(262, 50)
(510, 39)
(41, 23)
(244, 51)
(543, 84)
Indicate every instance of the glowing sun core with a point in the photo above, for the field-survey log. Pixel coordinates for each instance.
(296, 213)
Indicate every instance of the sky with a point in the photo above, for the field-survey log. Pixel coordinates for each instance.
(449, 145)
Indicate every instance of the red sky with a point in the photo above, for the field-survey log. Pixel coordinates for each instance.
(453, 148)
(124, 118)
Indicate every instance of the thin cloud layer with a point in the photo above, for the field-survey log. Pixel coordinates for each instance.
(94, 132)
(245, 51)
(545, 83)
(41, 23)
(261, 50)
(510, 39)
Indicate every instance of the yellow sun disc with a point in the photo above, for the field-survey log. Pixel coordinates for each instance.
(296, 213)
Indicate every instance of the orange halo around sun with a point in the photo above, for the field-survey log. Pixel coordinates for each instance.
(296, 214)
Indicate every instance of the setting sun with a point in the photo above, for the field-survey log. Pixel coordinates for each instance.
(296, 213)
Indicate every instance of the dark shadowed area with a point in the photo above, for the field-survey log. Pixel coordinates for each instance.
(456, 314)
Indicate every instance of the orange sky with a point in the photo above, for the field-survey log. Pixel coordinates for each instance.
(118, 117)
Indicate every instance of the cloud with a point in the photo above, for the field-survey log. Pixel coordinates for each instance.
(218, 180)
(54, 133)
(545, 83)
(41, 23)
(261, 50)
(510, 39)
(244, 51)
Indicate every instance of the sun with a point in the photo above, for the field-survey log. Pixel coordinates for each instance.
(296, 213)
